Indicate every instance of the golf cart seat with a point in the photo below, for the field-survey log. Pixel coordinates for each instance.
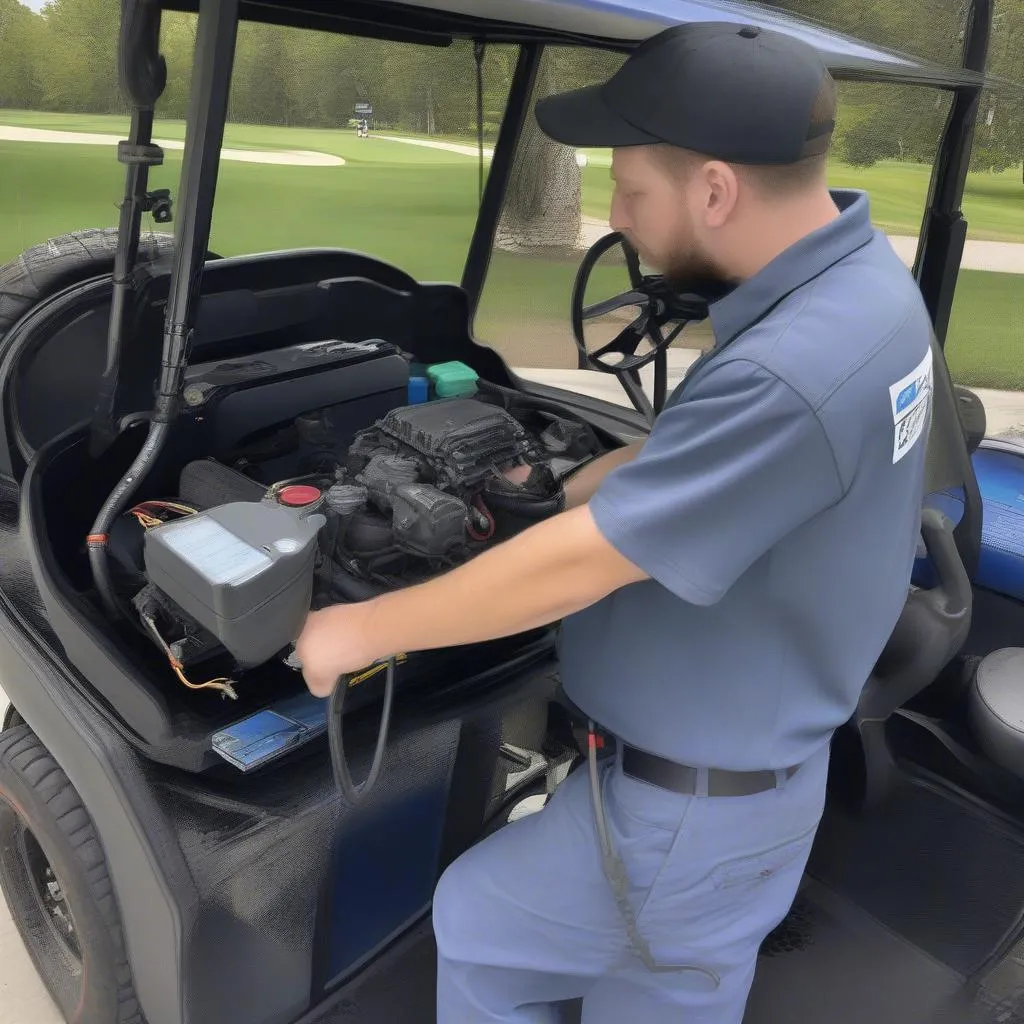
(936, 618)
(996, 708)
(930, 631)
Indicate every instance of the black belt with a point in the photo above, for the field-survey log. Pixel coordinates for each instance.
(682, 778)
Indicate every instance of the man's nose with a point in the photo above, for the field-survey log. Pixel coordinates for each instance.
(617, 219)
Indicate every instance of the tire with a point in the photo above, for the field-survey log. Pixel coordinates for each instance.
(54, 877)
(11, 719)
(45, 269)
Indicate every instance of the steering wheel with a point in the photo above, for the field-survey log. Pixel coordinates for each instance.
(660, 306)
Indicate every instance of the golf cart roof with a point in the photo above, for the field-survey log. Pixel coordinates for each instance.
(617, 24)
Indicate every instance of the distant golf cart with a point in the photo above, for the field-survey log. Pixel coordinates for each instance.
(194, 450)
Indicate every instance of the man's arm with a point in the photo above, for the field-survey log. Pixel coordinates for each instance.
(582, 485)
(553, 569)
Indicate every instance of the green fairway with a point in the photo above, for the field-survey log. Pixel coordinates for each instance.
(416, 207)
(993, 203)
(418, 213)
(985, 344)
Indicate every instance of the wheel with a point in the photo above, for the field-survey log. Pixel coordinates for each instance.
(54, 877)
(11, 719)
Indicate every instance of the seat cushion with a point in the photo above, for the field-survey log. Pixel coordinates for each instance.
(997, 708)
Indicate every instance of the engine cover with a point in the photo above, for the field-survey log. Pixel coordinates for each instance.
(458, 441)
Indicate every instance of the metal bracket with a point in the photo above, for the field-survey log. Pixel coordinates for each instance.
(146, 155)
(160, 204)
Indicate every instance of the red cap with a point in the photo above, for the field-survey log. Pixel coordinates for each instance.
(298, 494)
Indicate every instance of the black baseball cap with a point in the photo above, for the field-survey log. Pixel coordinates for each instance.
(733, 92)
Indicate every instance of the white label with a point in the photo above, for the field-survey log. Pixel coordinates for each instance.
(215, 552)
(911, 407)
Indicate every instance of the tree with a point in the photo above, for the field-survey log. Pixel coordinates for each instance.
(80, 72)
(65, 59)
(879, 122)
(177, 44)
(21, 48)
(543, 206)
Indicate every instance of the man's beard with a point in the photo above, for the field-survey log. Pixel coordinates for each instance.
(694, 273)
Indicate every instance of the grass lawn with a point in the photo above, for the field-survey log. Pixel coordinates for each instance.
(416, 207)
(993, 203)
(985, 343)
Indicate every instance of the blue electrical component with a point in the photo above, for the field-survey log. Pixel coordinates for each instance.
(419, 390)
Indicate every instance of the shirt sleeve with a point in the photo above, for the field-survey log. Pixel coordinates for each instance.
(726, 473)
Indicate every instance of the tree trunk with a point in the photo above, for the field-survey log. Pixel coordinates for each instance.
(542, 211)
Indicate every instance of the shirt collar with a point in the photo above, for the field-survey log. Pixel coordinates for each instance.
(797, 265)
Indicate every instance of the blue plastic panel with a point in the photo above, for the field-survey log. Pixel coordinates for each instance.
(1001, 482)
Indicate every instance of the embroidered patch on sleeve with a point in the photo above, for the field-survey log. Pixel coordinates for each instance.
(911, 407)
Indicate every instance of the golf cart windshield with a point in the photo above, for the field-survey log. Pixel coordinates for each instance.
(382, 145)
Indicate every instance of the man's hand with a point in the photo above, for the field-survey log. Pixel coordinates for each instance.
(333, 641)
(551, 570)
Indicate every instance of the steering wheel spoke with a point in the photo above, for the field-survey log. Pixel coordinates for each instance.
(634, 388)
(659, 306)
(616, 302)
(625, 343)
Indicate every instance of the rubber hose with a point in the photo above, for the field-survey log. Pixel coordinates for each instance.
(112, 508)
(351, 792)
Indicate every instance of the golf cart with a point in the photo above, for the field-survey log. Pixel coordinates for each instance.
(195, 450)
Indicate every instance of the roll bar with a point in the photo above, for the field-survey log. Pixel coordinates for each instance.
(143, 74)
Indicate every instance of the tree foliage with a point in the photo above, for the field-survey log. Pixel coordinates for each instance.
(64, 59)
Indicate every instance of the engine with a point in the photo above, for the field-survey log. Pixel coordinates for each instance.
(232, 563)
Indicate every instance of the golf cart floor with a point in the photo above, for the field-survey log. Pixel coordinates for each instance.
(873, 937)
(828, 961)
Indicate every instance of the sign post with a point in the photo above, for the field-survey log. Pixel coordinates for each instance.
(364, 111)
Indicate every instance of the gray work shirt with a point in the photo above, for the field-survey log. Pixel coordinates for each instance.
(776, 508)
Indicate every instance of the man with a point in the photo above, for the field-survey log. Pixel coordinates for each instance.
(725, 588)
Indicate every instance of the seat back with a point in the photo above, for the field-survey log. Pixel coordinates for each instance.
(935, 620)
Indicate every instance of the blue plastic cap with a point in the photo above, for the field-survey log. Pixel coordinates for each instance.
(419, 390)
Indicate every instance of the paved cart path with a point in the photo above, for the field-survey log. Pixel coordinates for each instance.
(287, 157)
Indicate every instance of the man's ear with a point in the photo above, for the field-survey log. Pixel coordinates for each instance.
(722, 192)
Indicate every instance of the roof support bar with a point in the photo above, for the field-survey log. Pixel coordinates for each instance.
(944, 229)
(207, 111)
(208, 107)
(943, 234)
(142, 75)
(516, 111)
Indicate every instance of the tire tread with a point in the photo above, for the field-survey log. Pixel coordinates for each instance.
(23, 753)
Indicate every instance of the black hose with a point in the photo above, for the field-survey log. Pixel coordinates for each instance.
(142, 70)
(99, 536)
(351, 792)
(526, 505)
